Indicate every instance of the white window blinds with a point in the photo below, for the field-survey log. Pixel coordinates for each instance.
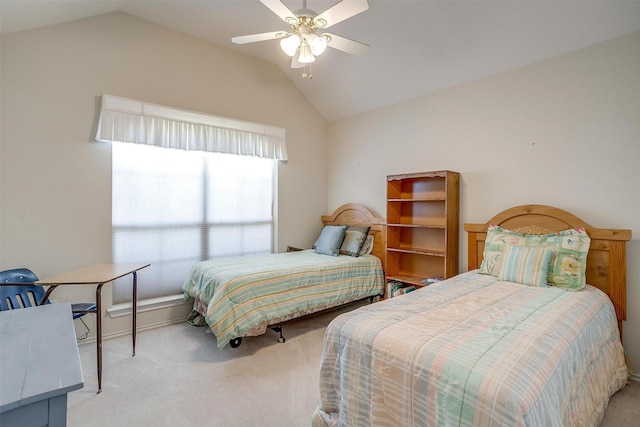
(130, 120)
(174, 208)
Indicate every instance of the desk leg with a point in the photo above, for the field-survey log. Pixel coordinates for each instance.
(134, 309)
(45, 297)
(99, 334)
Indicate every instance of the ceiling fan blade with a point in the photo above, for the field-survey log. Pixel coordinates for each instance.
(257, 37)
(341, 11)
(280, 9)
(347, 45)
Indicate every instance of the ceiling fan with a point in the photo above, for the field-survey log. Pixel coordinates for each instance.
(302, 43)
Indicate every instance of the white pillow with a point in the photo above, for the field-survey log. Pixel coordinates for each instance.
(368, 246)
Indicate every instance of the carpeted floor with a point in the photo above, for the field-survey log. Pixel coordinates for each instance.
(179, 378)
(624, 407)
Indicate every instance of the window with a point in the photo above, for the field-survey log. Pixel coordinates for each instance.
(187, 186)
(174, 208)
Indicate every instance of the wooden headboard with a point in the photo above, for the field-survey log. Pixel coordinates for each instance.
(358, 215)
(606, 261)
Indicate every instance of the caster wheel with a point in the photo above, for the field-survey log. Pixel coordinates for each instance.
(281, 339)
(235, 343)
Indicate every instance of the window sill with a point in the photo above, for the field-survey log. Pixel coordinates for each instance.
(151, 304)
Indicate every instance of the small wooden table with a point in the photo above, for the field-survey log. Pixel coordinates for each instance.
(99, 275)
(39, 365)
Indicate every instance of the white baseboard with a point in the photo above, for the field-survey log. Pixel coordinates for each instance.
(127, 333)
(145, 305)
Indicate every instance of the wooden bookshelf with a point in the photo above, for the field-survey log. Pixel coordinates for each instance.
(422, 226)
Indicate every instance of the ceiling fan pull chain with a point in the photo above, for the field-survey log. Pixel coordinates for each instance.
(304, 72)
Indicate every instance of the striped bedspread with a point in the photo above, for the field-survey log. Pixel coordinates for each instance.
(473, 351)
(237, 294)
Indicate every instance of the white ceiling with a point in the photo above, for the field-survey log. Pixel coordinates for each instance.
(417, 47)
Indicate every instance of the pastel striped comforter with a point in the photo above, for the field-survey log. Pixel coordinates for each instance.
(473, 351)
(235, 295)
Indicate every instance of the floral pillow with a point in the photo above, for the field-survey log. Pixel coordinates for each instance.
(568, 261)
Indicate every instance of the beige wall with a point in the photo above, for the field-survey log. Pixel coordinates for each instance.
(55, 182)
(563, 132)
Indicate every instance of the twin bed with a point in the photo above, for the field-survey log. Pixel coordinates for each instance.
(244, 296)
(481, 350)
(492, 346)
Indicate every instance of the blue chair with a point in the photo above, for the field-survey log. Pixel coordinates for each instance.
(17, 290)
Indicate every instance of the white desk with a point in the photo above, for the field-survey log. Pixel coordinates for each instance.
(39, 365)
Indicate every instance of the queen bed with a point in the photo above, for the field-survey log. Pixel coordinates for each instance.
(494, 345)
(244, 296)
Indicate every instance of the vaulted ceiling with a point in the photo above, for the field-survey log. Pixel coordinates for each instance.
(416, 47)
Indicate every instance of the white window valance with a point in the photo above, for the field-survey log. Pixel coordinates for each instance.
(130, 120)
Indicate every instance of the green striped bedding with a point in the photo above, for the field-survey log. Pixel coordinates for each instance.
(236, 296)
(473, 351)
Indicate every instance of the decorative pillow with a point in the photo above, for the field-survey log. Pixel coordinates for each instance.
(367, 248)
(526, 265)
(354, 239)
(330, 240)
(494, 243)
(568, 262)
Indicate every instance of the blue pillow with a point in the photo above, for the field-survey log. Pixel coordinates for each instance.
(330, 240)
(354, 240)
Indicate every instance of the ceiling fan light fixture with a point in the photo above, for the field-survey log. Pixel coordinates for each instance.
(306, 56)
(317, 43)
(301, 42)
(290, 44)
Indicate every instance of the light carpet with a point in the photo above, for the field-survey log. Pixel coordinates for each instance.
(179, 378)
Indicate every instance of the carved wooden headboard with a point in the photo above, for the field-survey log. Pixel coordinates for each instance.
(606, 261)
(359, 215)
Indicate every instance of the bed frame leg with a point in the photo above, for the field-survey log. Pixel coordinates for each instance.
(279, 330)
